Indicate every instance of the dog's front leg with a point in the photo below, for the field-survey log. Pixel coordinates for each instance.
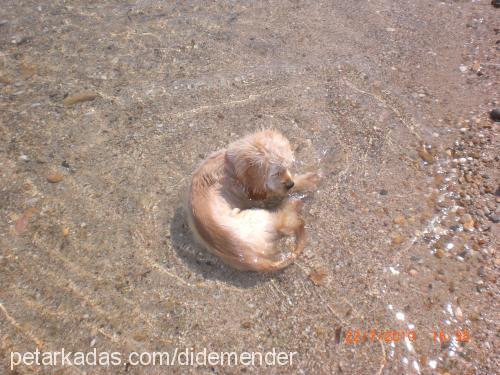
(306, 182)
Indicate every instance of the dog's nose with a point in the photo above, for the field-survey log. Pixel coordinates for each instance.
(289, 184)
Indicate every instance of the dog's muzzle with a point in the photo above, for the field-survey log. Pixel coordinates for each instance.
(289, 185)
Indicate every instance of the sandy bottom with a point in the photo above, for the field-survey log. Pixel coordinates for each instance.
(106, 108)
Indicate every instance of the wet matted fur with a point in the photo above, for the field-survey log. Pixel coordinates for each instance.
(228, 202)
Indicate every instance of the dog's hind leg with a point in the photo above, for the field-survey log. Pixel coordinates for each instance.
(287, 223)
(269, 265)
(287, 219)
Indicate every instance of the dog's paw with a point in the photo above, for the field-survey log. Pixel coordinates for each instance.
(313, 179)
(307, 182)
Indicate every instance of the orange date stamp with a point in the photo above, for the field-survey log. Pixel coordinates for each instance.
(356, 336)
(460, 335)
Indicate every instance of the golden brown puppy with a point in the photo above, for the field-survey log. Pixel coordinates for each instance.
(228, 202)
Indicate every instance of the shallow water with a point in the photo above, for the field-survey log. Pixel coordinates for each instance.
(106, 259)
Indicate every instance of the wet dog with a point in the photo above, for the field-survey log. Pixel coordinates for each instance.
(239, 205)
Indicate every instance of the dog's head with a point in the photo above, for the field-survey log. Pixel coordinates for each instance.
(261, 162)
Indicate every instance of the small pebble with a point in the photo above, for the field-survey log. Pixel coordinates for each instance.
(400, 220)
(80, 97)
(495, 114)
(55, 177)
(440, 277)
(494, 218)
(459, 314)
(425, 155)
(318, 277)
(480, 272)
(467, 222)
(474, 316)
(439, 253)
(246, 325)
(19, 39)
(397, 239)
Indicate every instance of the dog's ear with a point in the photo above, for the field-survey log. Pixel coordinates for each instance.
(250, 167)
(254, 178)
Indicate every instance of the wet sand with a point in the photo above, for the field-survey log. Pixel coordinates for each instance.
(107, 108)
